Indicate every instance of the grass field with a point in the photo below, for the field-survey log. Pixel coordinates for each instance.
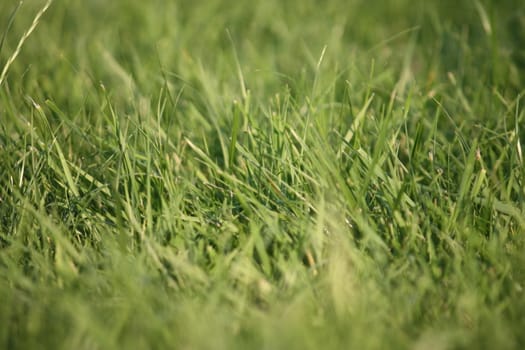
(262, 174)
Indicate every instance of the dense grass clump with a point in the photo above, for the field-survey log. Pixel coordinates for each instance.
(269, 174)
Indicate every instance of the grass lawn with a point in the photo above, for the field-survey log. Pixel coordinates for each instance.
(268, 174)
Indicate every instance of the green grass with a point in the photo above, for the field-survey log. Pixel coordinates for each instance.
(269, 174)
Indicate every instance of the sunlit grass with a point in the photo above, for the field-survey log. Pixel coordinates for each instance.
(262, 175)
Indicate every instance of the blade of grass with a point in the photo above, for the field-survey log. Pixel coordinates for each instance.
(23, 39)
